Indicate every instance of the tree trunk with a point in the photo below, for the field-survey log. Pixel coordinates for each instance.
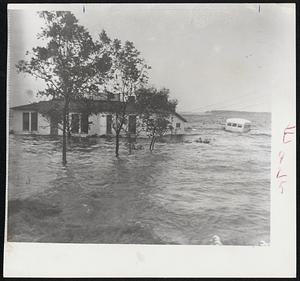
(118, 130)
(129, 143)
(152, 143)
(64, 146)
(150, 146)
(68, 125)
(117, 145)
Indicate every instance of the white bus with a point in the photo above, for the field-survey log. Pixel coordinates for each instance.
(238, 125)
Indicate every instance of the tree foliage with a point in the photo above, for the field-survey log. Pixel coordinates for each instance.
(155, 109)
(70, 63)
(128, 73)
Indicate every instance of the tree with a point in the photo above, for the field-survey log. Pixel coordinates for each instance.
(127, 74)
(131, 138)
(71, 64)
(155, 109)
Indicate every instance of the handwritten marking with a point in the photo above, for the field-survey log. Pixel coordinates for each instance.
(288, 131)
(281, 185)
(280, 176)
(281, 156)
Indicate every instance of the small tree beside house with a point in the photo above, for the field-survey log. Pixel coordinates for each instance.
(127, 74)
(155, 109)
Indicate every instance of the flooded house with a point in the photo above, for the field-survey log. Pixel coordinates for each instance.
(86, 118)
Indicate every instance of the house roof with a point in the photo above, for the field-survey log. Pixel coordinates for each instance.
(237, 120)
(32, 106)
(75, 106)
(78, 106)
(180, 117)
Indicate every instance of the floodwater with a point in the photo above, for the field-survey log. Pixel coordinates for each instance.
(183, 192)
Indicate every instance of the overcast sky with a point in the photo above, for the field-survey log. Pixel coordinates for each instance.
(217, 56)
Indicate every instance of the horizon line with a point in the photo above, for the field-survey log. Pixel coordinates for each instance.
(224, 110)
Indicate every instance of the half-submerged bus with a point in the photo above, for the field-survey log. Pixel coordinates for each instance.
(238, 125)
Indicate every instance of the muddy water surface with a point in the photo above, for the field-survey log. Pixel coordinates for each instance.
(182, 193)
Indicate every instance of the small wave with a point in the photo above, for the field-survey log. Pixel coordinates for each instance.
(261, 134)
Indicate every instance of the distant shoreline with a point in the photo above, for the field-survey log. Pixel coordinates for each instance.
(220, 111)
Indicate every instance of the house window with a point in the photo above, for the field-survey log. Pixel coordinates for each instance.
(108, 124)
(34, 121)
(177, 125)
(25, 121)
(132, 124)
(84, 123)
(131, 99)
(110, 96)
(75, 123)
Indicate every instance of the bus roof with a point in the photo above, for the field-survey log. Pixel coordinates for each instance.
(237, 120)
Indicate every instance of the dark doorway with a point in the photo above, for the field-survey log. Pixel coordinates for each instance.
(75, 123)
(34, 121)
(132, 124)
(84, 123)
(25, 121)
(108, 124)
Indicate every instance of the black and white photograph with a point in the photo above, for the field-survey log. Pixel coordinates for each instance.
(145, 124)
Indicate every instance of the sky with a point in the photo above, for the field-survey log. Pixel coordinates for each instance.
(210, 56)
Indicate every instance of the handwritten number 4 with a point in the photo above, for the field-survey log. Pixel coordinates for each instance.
(281, 156)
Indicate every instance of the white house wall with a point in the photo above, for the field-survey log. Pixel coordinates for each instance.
(16, 123)
(43, 125)
(102, 124)
(177, 131)
(97, 124)
(94, 124)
